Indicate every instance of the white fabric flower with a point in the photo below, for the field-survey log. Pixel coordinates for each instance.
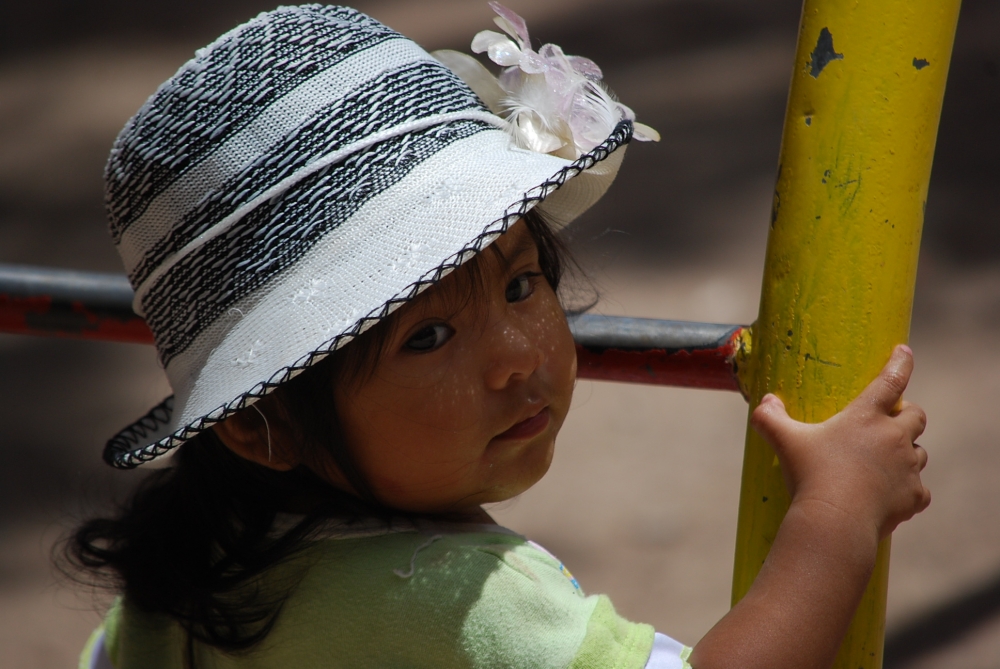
(555, 103)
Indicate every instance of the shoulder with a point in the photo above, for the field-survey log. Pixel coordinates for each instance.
(434, 569)
(437, 564)
(446, 598)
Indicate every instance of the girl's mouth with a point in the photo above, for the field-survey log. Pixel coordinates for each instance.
(527, 428)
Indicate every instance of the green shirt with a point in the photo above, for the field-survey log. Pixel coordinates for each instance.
(432, 597)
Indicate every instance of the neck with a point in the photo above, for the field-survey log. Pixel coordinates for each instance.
(476, 515)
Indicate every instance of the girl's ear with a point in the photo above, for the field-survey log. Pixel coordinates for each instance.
(259, 434)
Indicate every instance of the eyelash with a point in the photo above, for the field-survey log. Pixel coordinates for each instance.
(527, 280)
(441, 333)
(434, 336)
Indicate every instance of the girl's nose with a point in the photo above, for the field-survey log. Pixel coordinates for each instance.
(513, 356)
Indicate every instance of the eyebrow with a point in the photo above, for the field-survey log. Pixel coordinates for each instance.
(526, 244)
(519, 249)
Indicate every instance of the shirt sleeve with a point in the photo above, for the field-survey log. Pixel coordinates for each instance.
(532, 613)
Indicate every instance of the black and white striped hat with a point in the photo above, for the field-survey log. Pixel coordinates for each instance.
(293, 184)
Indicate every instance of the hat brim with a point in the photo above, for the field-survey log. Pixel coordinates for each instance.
(401, 242)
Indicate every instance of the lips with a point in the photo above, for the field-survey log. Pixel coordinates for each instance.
(527, 428)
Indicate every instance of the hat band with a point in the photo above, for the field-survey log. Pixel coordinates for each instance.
(329, 159)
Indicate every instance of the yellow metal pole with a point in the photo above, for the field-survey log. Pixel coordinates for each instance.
(855, 165)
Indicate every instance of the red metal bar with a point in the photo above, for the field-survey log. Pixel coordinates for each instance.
(711, 369)
(45, 316)
(82, 305)
(667, 353)
(61, 303)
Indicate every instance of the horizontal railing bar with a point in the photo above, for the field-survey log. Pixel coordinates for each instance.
(625, 333)
(91, 305)
(96, 288)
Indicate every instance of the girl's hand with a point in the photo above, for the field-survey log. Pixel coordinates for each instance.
(861, 461)
(853, 479)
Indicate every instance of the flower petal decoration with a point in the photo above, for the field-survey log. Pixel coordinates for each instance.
(555, 103)
(487, 38)
(501, 49)
(532, 63)
(644, 133)
(586, 67)
(512, 24)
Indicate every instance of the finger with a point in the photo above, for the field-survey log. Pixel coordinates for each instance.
(906, 405)
(772, 421)
(886, 390)
(922, 456)
(912, 419)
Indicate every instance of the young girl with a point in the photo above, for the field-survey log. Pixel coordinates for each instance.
(346, 250)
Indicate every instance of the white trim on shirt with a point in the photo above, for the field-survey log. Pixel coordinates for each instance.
(666, 654)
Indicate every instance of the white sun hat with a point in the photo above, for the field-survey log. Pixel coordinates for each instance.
(312, 170)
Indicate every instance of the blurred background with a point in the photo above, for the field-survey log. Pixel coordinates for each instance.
(641, 500)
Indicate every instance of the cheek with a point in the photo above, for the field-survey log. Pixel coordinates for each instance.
(556, 342)
(443, 399)
(417, 439)
(415, 416)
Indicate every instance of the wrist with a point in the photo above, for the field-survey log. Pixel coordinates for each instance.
(835, 530)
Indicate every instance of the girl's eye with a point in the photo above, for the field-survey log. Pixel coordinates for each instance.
(429, 338)
(520, 288)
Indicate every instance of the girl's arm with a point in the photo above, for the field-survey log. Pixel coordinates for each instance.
(852, 480)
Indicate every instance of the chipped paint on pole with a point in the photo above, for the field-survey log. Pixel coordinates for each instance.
(855, 165)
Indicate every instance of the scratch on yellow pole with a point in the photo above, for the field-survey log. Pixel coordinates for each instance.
(837, 293)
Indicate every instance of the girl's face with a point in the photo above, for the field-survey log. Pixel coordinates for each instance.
(465, 403)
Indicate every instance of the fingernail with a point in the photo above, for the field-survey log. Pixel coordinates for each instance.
(906, 349)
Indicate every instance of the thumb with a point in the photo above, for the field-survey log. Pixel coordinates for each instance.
(885, 391)
(772, 421)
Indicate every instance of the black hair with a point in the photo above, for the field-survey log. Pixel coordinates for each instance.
(194, 539)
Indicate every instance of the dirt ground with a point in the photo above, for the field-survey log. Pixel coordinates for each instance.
(641, 499)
